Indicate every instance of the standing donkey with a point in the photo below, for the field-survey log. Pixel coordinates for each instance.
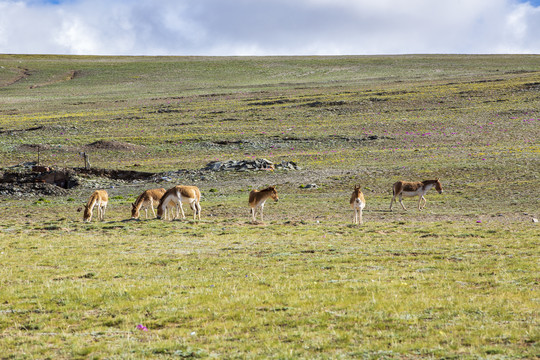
(417, 188)
(257, 198)
(358, 203)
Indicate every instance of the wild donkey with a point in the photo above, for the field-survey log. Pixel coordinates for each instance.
(410, 189)
(358, 203)
(99, 198)
(178, 195)
(146, 200)
(257, 198)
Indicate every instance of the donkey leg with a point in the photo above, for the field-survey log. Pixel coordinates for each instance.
(182, 209)
(401, 202)
(422, 206)
(360, 216)
(195, 209)
(152, 207)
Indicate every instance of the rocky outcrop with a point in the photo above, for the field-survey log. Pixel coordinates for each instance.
(249, 165)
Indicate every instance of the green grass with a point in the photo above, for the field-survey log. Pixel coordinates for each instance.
(280, 290)
(457, 280)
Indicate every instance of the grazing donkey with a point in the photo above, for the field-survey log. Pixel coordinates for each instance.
(178, 195)
(146, 200)
(99, 198)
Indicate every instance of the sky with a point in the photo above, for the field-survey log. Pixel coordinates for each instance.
(269, 27)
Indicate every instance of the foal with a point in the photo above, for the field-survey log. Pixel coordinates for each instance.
(99, 198)
(358, 203)
(178, 195)
(146, 200)
(257, 198)
(417, 188)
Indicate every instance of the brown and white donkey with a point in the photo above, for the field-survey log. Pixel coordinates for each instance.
(414, 188)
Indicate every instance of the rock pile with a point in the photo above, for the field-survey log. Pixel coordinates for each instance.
(249, 165)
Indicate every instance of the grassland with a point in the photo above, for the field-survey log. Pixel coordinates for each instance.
(457, 280)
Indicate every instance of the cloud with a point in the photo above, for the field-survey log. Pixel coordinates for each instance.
(268, 27)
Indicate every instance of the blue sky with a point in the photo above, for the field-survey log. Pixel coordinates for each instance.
(269, 27)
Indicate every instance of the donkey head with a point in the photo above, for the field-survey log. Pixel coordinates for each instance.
(134, 211)
(438, 186)
(273, 193)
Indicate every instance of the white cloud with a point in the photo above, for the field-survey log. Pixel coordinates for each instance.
(521, 26)
(268, 27)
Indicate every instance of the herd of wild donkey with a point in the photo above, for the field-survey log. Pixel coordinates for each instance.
(168, 200)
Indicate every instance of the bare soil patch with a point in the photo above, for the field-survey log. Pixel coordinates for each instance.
(113, 145)
(31, 189)
(45, 147)
(128, 175)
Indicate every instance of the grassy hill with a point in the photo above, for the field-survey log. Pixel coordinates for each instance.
(456, 280)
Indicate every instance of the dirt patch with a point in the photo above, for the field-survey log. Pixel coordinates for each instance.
(12, 131)
(30, 179)
(113, 145)
(324, 104)
(534, 86)
(39, 128)
(45, 147)
(271, 102)
(64, 178)
(128, 175)
(31, 189)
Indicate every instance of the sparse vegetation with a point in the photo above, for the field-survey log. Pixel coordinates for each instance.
(457, 280)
